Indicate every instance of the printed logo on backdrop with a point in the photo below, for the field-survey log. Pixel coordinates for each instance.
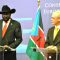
(50, 6)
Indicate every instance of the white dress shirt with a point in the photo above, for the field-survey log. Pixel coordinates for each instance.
(5, 22)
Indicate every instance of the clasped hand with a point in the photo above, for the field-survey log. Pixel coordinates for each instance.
(51, 47)
(6, 47)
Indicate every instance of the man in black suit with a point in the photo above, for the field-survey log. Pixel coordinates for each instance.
(13, 35)
(53, 35)
(10, 30)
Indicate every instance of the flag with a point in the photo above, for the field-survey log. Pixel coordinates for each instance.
(36, 38)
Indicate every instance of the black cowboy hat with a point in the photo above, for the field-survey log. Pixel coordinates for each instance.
(6, 9)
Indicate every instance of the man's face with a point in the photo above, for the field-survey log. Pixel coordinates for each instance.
(55, 20)
(6, 17)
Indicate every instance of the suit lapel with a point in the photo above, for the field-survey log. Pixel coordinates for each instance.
(57, 38)
(58, 34)
(52, 33)
(1, 29)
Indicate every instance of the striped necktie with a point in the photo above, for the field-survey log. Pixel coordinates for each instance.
(4, 29)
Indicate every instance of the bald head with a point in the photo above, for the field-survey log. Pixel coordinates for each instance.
(55, 18)
(56, 13)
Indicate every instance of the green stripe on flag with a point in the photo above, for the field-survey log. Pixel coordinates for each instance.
(37, 39)
(33, 55)
(29, 48)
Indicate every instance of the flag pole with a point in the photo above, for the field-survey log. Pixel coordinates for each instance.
(38, 1)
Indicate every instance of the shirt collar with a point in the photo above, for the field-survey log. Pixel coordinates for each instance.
(57, 26)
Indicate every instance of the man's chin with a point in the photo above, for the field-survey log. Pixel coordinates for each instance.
(5, 20)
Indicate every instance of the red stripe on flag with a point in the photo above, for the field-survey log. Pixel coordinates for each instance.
(39, 39)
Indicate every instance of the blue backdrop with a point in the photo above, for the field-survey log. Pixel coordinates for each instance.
(25, 14)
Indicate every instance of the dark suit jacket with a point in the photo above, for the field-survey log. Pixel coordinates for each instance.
(50, 41)
(13, 35)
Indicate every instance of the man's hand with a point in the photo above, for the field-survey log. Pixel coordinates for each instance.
(6, 47)
(52, 48)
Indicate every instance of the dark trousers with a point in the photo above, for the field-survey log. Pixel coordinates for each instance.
(8, 55)
(59, 56)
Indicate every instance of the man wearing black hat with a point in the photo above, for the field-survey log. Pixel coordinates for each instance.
(12, 36)
(10, 30)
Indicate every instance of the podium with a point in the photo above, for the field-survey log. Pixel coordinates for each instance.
(7, 55)
(46, 54)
